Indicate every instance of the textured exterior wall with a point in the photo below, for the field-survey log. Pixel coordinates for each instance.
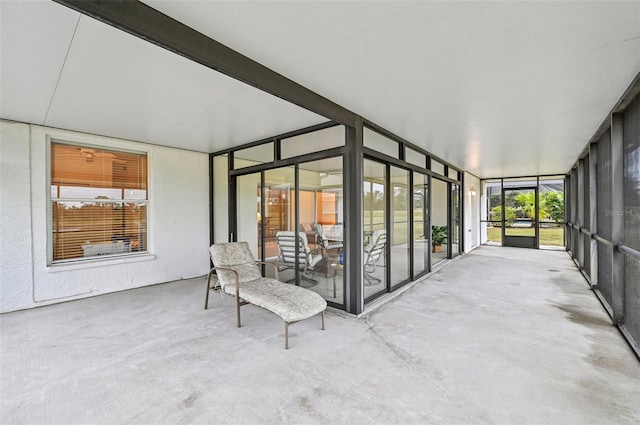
(178, 222)
(16, 286)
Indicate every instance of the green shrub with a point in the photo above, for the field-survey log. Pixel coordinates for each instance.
(496, 215)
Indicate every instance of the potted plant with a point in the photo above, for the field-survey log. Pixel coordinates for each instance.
(438, 237)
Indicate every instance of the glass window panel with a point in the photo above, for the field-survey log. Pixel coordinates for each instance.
(92, 229)
(89, 187)
(96, 169)
(321, 218)
(400, 216)
(248, 201)
(455, 220)
(453, 174)
(314, 141)
(279, 209)
(437, 167)
(253, 156)
(439, 220)
(420, 216)
(520, 182)
(374, 223)
(380, 143)
(415, 158)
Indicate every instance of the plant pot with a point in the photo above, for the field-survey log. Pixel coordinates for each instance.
(437, 248)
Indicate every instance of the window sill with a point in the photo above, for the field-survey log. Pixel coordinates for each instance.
(98, 262)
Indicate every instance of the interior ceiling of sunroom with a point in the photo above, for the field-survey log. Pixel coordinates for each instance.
(499, 89)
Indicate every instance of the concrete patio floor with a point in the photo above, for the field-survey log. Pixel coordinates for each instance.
(499, 336)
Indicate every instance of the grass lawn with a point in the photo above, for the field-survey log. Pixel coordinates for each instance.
(548, 235)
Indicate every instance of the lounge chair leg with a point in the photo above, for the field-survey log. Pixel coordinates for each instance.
(238, 310)
(206, 298)
(286, 335)
(322, 314)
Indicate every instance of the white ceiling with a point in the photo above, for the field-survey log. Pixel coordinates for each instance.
(65, 70)
(497, 88)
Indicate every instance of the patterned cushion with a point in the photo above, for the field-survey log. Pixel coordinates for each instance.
(290, 302)
(236, 256)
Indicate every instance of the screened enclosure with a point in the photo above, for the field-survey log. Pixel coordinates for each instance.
(349, 218)
(603, 222)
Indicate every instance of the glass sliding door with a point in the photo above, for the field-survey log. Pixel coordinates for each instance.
(400, 236)
(375, 225)
(420, 217)
(439, 220)
(279, 214)
(248, 204)
(321, 219)
(315, 207)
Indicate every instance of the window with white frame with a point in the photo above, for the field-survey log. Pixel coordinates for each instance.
(99, 202)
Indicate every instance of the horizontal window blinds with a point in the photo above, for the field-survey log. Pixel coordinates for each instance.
(99, 202)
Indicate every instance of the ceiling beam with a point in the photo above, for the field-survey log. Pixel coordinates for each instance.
(143, 21)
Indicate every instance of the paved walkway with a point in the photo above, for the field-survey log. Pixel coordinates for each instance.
(499, 336)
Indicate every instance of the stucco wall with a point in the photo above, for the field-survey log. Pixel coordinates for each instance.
(178, 222)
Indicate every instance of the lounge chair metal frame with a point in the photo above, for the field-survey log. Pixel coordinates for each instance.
(292, 303)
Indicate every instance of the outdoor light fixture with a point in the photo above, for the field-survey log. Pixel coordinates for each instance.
(472, 191)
